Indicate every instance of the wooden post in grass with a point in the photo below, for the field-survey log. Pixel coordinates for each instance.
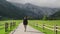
(14, 23)
(43, 26)
(55, 29)
(11, 24)
(6, 27)
(37, 25)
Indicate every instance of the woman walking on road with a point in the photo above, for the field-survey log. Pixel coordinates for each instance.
(25, 22)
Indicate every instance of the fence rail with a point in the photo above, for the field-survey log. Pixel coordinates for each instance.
(1, 24)
(54, 28)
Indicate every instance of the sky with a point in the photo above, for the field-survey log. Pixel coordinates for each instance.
(43, 3)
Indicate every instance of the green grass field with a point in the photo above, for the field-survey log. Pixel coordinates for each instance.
(33, 24)
(46, 22)
(2, 23)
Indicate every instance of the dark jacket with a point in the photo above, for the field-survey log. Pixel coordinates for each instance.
(25, 21)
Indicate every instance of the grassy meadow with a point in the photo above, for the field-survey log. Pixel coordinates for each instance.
(49, 23)
(2, 26)
(34, 23)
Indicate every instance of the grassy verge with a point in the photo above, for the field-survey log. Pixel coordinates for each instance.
(40, 22)
(2, 29)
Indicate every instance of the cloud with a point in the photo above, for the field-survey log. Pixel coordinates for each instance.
(33, 1)
(46, 3)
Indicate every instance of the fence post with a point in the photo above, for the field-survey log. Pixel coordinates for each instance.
(14, 24)
(43, 26)
(37, 25)
(55, 29)
(6, 27)
(11, 24)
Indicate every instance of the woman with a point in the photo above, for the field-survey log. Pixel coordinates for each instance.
(25, 22)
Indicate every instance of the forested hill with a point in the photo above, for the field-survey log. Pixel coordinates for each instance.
(18, 11)
(8, 10)
(55, 15)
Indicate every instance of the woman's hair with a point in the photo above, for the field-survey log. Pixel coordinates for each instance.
(25, 16)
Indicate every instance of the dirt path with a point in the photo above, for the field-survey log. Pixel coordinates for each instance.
(30, 30)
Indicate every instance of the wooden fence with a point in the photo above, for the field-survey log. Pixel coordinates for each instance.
(54, 28)
(7, 26)
(11, 25)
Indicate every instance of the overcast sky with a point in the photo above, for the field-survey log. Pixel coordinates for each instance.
(45, 3)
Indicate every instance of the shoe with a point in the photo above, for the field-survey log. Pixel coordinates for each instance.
(24, 30)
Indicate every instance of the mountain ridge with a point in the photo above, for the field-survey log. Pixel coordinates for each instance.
(33, 8)
(18, 11)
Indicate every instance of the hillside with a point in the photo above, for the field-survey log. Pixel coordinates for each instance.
(18, 11)
(55, 15)
(8, 10)
(36, 9)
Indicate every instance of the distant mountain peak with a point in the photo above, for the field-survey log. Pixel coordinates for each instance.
(27, 3)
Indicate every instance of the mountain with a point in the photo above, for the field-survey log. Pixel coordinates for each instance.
(37, 9)
(55, 15)
(18, 11)
(9, 10)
